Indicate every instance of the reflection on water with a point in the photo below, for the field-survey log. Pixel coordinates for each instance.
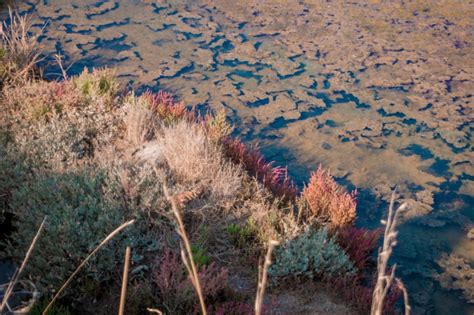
(380, 94)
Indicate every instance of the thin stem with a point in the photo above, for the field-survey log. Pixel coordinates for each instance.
(405, 296)
(17, 274)
(123, 293)
(187, 255)
(105, 241)
(384, 280)
(262, 277)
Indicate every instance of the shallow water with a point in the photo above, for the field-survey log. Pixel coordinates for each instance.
(381, 95)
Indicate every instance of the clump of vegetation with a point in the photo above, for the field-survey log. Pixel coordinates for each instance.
(197, 161)
(41, 101)
(200, 256)
(140, 122)
(309, 255)
(163, 105)
(99, 86)
(175, 290)
(327, 201)
(18, 49)
(82, 208)
(241, 236)
(274, 178)
(359, 244)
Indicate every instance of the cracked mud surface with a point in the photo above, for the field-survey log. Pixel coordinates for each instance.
(382, 94)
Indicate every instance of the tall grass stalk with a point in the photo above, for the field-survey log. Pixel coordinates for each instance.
(18, 272)
(262, 277)
(186, 253)
(105, 241)
(384, 279)
(124, 281)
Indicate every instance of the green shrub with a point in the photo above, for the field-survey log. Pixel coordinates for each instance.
(140, 296)
(200, 256)
(82, 209)
(56, 309)
(241, 236)
(99, 86)
(311, 254)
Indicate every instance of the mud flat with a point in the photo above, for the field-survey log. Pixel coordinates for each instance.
(379, 93)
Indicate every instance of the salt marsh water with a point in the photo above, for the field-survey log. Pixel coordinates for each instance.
(379, 94)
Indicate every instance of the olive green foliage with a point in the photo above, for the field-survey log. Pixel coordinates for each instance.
(82, 208)
(241, 236)
(200, 255)
(140, 296)
(56, 309)
(309, 255)
(98, 85)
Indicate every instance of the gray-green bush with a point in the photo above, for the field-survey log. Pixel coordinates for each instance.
(12, 174)
(311, 254)
(82, 208)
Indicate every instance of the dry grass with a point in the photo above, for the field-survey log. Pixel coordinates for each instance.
(123, 292)
(186, 251)
(196, 161)
(18, 47)
(384, 279)
(269, 216)
(140, 121)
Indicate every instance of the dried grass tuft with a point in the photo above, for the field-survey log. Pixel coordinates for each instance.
(18, 48)
(140, 121)
(196, 161)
